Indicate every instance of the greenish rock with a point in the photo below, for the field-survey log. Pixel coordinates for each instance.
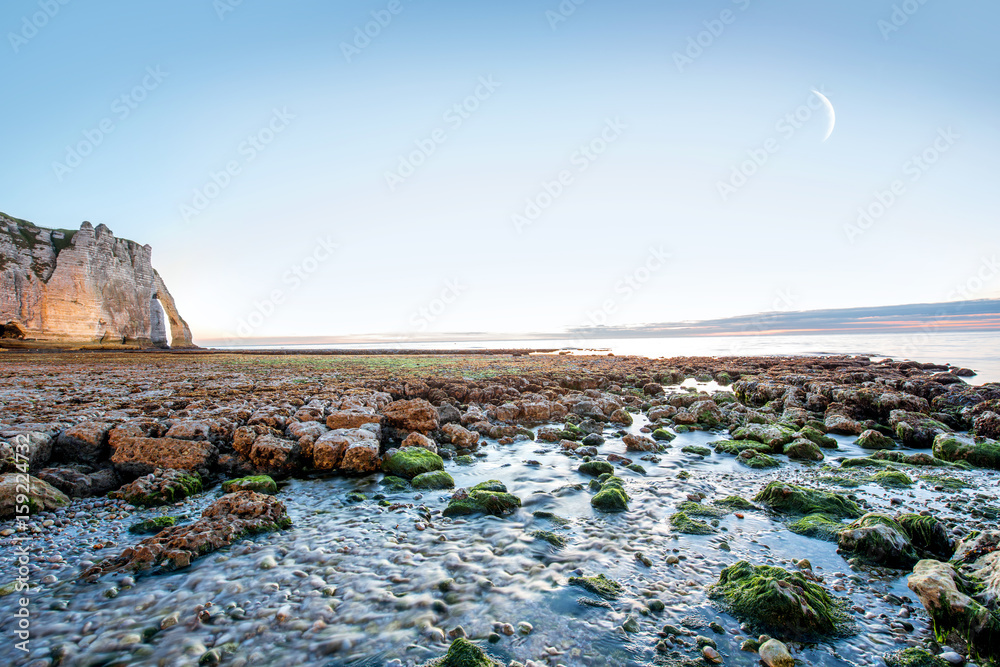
(773, 435)
(893, 479)
(596, 468)
(549, 516)
(258, 483)
(168, 486)
(818, 437)
(548, 536)
(928, 535)
(599, 585)
(981, 454)
(611, 497)
(818, 526)
(486, 498)
(663, 434)
(735, 503)
(874, 440)
(947, 483)
(793, 499)
(803, 449)
(412, 461)
(636, 468)
(751, 458)
(394, 484)
(914, 657)
(780, 602)
(355, 497)
(465, 460)
(463, 653)
(150, 526)
(683, 474)
(880, 540)
(736, 447)
(695, 449)
(683, 523)
(436, 480)
(692, 508)
(630, 624)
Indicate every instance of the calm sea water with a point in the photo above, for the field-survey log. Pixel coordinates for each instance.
(979, 351)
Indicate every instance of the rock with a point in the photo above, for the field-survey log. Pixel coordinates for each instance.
(161, 487)
(412, 415)
(40, 496)
(621, 416)
(953, 447)
(416, 439)
(232, 517)
(792, 499)
(756, 460)
(438, 479)
(276, 456)
(611, 497)
(463, 653)
(772, 435)
(461, 437)
(914, 657)
(818, 526)
(987, 425)
(86, 442)
(354, 418)
(486, 498)
(596, 468)
(599, 585)
(872, 439)
(915, 429)
(354, 450)
(803, 449)
(879, 540)
(775, 654)
(140, 456)
(639, 443)
(258, 483)
(548, 536)
(711, 655)
(79, 481)
(682, 523)
(33, 447)
(73, 288)
(412, 461)
(836, 422)
(152, 526)
(818, 437)
(928, 535)
(448, 414)
(779, 601)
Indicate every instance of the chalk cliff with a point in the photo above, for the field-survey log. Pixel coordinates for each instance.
(86, 288)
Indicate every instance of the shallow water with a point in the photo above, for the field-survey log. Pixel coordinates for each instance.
(361, 584)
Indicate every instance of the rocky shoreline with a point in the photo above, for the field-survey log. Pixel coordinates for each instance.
(462, 489)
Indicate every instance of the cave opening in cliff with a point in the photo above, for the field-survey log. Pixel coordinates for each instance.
(159, 332)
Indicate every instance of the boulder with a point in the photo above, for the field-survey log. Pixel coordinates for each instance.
(486, 498)
(412, 461)
(141, 456)
(953, 447)
(775, 654)
(19, 447)
(915, 429)
(40, 496)
(639, 443)
(420, 440)
(411, 415)
(354, 450)
(86, 442)
(879, 540)
(872, 439)
(78, 481)
(356, 418)
(803, 449)
(772, 435)
(276, 456)
(461, 437)
(161, 487)
(793, 499)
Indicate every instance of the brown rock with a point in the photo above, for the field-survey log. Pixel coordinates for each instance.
(86, 442)
(412, 415)
(419, 440)
(275, 455)
(141, 456)
(330, 452)
(351, 418)
(461, 437)
(639, 443)
(41, 496)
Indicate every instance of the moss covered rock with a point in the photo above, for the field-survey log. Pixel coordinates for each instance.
(151, 526)
(815, 435)
(735, 503)
(663, 435)
(803, 449)
(435, 480)
(258, 483)
(780, 602)
(695, 449)
(412, 461)
(793, 499)
(161, 487)
(818, 526)
(596, 468)
(489, 497)
(735, 447)
(394, 484)
(752, 458)
(928, 535)
(41, 496)
(599, 585)
(880, 540)
(463, 653)
(558, 541)
(914, 657)
(773, 435)
(872, 439)
(982, 454)
(893, 479)
(611, 497)
(683, 523)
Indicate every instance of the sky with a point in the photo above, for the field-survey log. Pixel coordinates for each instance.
(399, 167)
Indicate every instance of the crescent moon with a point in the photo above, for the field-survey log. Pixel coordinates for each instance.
(829, 107)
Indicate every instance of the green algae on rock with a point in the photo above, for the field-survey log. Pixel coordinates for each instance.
(735, 503)
(792, 499)
(463, 653)
(695, 449)
(435, 480)
(663, 434)
(683, 523)
(596, 468)
(803, 449)
(258, 483)
(914, 657)
(893, 479)
(488, 497)
(757, 460)
(412, 461)
(927, 534)
(880, 540)
(611, 497)
(394, 484)
(736, 447)
(599, 585)
(818, 526)
(150, 526)
(160, 488)
(780, 602)
(872, 439)
(558, 541)
(40, 497)
(818, 437)
(980, 453)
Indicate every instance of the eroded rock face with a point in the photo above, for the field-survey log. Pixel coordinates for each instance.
(40, 495)
(412, 415)
(141, 456)
(74, 288)
(228, 519)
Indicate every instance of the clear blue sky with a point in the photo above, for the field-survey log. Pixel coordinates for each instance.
(338, 119)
